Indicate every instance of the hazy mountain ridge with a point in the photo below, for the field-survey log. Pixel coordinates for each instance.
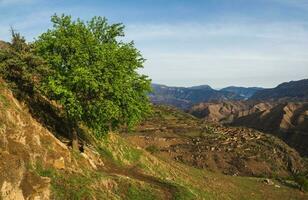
(293, 90)
(245, 92)
(185, 97)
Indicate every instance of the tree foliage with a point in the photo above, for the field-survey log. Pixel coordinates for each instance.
(93, 75)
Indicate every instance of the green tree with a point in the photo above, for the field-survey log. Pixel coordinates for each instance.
(93, 75)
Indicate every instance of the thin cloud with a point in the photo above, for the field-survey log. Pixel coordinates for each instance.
(281, 31)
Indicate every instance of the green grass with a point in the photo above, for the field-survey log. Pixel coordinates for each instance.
(67, 186)
(119, 151)
(4, 101)
(72, 187)
(183, 193)
(136, 193)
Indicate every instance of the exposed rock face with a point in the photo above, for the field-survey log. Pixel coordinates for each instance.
(59, 163)
(24, 142)
(31, 156)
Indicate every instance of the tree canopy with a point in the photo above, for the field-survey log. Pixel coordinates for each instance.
(93, 75)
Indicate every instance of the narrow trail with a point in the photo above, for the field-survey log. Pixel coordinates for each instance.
(133, 172)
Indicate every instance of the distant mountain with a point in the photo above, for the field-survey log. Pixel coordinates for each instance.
(201, 87)
(185, 97)
(245, 92)
(293, 90)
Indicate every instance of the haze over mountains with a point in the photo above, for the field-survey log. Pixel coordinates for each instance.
(186, 97)
(293, 90)
(245, 92)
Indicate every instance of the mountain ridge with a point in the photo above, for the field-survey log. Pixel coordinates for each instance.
(292, 90)
(245, 92)
(185, 97)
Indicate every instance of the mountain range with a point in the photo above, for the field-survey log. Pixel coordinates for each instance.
(186, 97)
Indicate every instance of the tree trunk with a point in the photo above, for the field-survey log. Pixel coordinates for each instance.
(73, 133)
(74, 136)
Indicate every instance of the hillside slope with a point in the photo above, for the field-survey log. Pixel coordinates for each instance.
(36, 165)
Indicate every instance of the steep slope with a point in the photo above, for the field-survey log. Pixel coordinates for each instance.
(184, 98)
(36, 165)
(245, 92)
(289, 121)
(293, 90)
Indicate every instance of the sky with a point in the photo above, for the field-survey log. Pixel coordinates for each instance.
(191, 42)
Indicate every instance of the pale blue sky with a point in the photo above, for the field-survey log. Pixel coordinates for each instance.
(192, 42)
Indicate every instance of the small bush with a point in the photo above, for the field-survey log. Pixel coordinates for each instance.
(302, 181)
(152, 149)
